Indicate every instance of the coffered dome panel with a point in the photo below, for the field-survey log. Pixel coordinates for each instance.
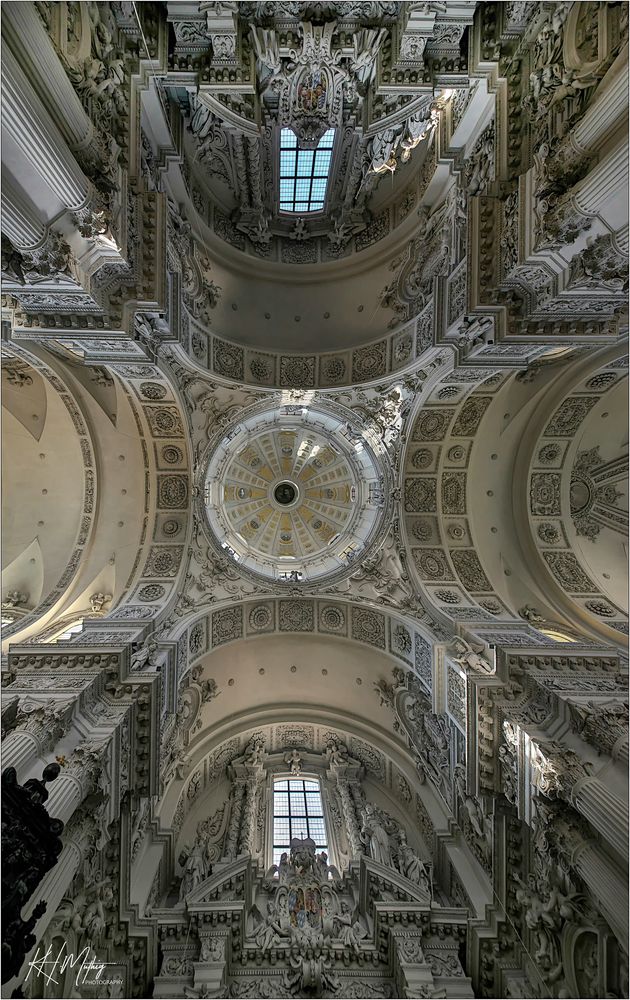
(296, 493)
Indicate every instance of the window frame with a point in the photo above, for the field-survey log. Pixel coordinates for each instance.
(294, 213)
(270, 844)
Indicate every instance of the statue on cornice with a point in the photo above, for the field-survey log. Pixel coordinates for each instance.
(375, 836)
(350, 929)
(269, 931)
(195, 866)
(337, 753)
(410, 865)
(144, 655)
(254, 753)
(293, 759)
(470, 656)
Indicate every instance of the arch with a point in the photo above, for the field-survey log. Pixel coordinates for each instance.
(132, 534)
(464, 460)
(556, 464)
(405, 640)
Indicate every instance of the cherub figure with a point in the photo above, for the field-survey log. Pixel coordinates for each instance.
(294, 761)
(470, 656)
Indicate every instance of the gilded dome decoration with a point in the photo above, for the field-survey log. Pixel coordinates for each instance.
(295, 493)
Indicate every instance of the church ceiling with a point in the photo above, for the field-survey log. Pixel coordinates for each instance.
(315, 375)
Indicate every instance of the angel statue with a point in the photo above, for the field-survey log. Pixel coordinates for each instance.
(412, 868)
(472, 808)
(269, 930)
(337, 753)
(254, 753)
(294, 761)
(195, 868)
(374, 834)
(351, 931)
(94, 918)
(470, 656)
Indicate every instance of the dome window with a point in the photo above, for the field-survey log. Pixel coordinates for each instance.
(304, 173)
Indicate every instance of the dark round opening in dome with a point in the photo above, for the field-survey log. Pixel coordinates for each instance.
(284, 493)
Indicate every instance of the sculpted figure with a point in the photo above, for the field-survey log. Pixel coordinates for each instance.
(254, 753)
(337, 753)
(195, 869)
(94, 921)
(284, 868)
(470, 656)
(269, 932)
(144, 656)
(294, 761)
(374, 834)
(350, 930)
(412, 868)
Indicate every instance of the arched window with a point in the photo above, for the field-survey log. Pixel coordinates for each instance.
(297, 812)
(304, 173)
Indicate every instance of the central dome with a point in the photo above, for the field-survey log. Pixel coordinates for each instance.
(296, 493)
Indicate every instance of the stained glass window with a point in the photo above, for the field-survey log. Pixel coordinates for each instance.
(297, 812)
(304, 173)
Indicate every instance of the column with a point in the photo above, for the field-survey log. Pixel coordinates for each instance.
(36, 735)
(78, 837)
(20, 221)
(65, 796)
(606, 813)
(38, 138)
(25, 34)
(609, 108)
(19, 750)
(608, 885)
(78, 779)
(603, 725)
(556, 832)
(563, 773)
(605, 179)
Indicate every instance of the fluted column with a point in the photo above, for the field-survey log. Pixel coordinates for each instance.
(556, 832)
(20, 221)
(605, 179)
(54, 884)
(606, 813)
(603, 725)
(608, 109)
(65, 796)
(77, 780)
(19, 750)
(78, 837)
(38, 138)
(608, 885)
(36, 734)
(25, 34)
(563, 773)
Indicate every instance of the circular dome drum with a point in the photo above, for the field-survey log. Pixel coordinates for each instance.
(297, 493)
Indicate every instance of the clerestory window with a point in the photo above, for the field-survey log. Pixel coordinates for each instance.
(297, 812)
(304, 173)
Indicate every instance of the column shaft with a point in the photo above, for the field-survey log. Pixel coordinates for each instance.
(38, 138)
